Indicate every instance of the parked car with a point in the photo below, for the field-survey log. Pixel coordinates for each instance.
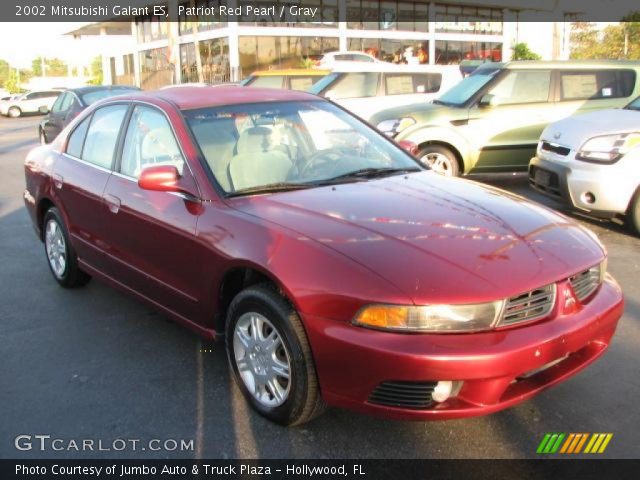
(335, 267)
(331, 60)
(290, 79)
(73, 101)
(29, 102)
(591, 162)
(491, 121)
(366, 89)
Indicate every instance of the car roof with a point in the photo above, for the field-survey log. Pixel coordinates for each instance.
(189, 98)
(554, 64)
(290, 72)
(356, 67)
(98, 88)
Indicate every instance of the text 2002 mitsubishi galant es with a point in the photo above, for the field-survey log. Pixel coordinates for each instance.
(335, 267)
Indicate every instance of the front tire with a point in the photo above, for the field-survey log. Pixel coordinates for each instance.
(62, 259)
(14, 112)
(633, 214)
(270, 357)
(440, 159)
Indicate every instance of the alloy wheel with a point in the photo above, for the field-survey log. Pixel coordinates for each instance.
(439, 163)
(262, 359)
(56, 248)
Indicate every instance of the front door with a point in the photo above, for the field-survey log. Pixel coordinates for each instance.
(505, 132)
(153, 233)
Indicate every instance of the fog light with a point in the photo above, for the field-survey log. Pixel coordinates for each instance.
(442, 391)
(588, 197)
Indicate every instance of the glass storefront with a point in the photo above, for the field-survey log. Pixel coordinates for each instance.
(264, 53)
(151, 28)
(214, 58)
(451, 52)
(393, 50)
(387, 15)
(464, 19)
(156, 69)
(201, 23)
(327, 16)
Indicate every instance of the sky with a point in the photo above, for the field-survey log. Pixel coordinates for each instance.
(20, 43)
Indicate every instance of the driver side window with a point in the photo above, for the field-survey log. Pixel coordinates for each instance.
(149, 141)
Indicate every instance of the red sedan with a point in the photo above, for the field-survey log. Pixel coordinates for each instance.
(337, 269)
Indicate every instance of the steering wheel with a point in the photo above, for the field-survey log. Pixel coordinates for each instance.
(322, 159)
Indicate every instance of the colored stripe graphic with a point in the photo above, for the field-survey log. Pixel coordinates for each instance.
(572, 443)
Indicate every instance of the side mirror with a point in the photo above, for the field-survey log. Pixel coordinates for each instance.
(409, 146)
(487, 100)
(166, 178)
(43, 109)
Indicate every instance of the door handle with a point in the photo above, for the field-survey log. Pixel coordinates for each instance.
(113, 203)
(58, 181)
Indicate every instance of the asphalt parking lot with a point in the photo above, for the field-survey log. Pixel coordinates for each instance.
(94, 364)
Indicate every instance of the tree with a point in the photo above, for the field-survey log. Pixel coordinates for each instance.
(521, 51)
(12, 84)
(4, 71)
(54, 67)
(96, 71)
(618, 42)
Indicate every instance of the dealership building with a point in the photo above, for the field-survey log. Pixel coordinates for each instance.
(214, 48)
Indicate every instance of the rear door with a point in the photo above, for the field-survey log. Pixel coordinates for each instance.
(505, 133)
(152, 234)
(80, 176)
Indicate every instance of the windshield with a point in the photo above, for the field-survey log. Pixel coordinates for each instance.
(468, 87)
(92, 97)
(287, 145)
(635, 105)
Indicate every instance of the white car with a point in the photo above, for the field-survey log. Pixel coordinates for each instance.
(29, 102)
(366, 89)
(592, 162)
(333, 59)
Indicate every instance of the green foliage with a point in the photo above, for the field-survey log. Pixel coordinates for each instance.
(521, 51)
(12, 83)
(96, 71)
(54, 67)
(618, 42)
(4, 71)
(306, 63)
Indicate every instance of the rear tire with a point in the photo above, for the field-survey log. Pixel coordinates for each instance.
(14, 112)
(633, 214)
(62, 259)
(440, 159)
(257, 314)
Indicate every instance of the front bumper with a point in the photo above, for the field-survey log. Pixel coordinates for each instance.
(611, 187)
(352, 362)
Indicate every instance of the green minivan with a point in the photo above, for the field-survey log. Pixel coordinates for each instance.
(491, 120)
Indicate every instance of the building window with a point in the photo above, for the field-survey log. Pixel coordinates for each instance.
(453, 52)
(204, 22)
(155, 69)
(464, 19)
(123, 70)
(392, 50)
(264, 53)
(387, 15)
(151, 28)
(214, 58)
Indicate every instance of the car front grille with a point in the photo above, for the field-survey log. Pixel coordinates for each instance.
(528, 306)
(411, 395)
(557, 149)
(585, 283)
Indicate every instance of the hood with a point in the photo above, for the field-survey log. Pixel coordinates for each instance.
(439, 240)
(576, 130)
(421, 112)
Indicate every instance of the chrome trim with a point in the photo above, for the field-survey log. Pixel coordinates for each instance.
(528, 306)
(84, 162)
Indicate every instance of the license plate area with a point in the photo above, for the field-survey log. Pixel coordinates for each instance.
(542, 178)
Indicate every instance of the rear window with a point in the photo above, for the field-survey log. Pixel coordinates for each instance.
(408, 83)
(268, 81)
(92, 97)
(595, 84)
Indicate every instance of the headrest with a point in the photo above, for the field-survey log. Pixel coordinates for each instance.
(254, 140)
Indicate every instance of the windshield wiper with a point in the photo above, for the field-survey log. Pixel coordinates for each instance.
(372, 172)
(271, 188)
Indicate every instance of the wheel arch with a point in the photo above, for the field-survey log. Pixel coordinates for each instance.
(443, 136)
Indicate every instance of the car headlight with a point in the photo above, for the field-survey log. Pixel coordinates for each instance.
(431, 318)
(395, 126)
(608, 148)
